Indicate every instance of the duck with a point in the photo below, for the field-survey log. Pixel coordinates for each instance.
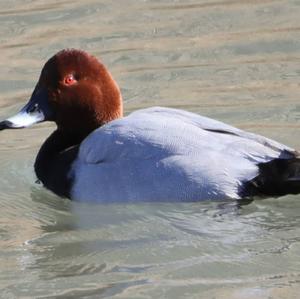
(155, 154)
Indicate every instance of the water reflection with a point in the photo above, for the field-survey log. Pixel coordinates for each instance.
(130, 246)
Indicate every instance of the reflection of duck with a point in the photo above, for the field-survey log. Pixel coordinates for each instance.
(155, 154)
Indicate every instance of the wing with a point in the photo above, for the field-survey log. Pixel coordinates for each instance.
(212, 125)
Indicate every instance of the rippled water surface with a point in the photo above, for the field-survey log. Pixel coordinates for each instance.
(237, 61)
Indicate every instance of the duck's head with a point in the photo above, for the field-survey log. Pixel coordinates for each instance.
(75, 91)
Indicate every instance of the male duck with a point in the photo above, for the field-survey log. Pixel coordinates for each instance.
(154, 154)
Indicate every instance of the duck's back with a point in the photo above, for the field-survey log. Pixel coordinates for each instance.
(162, 154)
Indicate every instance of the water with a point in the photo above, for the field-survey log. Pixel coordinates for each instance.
(234, 60)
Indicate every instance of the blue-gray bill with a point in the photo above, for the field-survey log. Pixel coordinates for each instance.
(35, 111)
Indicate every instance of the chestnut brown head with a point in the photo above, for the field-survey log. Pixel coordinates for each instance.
(76, 91)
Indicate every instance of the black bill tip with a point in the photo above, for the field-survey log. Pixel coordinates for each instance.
(6, 124)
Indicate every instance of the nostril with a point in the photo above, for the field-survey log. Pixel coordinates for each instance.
(34, 108)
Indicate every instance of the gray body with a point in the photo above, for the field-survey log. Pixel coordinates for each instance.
(163, 154)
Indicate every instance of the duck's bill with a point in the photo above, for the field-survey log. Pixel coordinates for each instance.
(35, 111)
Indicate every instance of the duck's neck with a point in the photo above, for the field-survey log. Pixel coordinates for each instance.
(53, 162)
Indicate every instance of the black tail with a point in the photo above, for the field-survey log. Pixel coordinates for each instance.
(276, 178)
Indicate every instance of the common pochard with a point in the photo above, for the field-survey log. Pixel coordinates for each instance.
(153, 154)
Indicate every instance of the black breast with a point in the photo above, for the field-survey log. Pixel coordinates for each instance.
(54, 161)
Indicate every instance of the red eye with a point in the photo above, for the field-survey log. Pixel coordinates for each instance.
(69, 80)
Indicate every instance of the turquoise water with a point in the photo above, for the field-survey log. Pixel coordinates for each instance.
(237, 61)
